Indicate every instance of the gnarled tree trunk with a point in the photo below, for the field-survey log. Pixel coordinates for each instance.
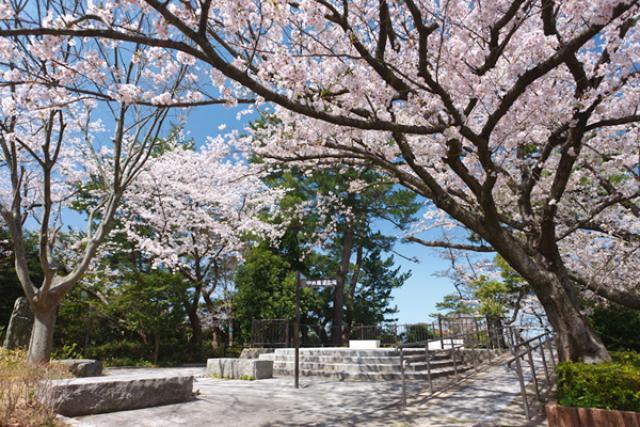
(576, 339)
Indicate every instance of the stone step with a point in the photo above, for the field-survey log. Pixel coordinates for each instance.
(357, 359)
(371, 376)
(361, 367)
(340, 351)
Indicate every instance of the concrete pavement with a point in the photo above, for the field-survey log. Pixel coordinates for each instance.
(486, 398)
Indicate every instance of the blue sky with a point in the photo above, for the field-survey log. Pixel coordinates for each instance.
(417, 298)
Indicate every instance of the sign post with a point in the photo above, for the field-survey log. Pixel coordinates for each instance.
(296, 331)
(296, 325)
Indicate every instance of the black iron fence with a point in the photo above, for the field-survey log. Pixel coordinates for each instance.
(464, 330)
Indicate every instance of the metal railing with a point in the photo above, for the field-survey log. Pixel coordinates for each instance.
(523, 351)
(470, 334)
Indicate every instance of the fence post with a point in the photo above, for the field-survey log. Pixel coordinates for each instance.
(404, 391)
(533, 372)
(475, 321)
(544, 362)
(428, 360)
(296, 332)
(553, 357)
(523, 390)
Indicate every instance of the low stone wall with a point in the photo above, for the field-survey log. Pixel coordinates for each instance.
(84, 396)
(239, 368)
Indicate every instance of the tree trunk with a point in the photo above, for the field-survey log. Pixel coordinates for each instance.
(196, 329)
(41, 343)
(352, 291)
(338, 296)
(495, 332)
(576, 340)
(156, 348)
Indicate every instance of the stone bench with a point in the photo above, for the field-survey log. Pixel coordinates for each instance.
(84, 396)
(238, 368)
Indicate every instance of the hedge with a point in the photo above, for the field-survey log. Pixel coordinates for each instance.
(614, 385)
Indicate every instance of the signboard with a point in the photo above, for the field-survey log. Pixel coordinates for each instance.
(320, 283)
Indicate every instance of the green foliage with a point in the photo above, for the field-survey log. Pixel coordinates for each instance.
(247, 378)
(617, 325)
(491, 298)
(10, 288)
(265, 289)
(614, 385)
(631, 358)
(419, 332)
(129, 362)
(70, 351)
(139, 317)
(361, 199)
(372, 298)
(454, 304)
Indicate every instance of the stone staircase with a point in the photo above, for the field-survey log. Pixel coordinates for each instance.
(361, 364)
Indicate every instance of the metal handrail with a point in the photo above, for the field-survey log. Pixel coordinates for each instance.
(526, 348)
(453, 349)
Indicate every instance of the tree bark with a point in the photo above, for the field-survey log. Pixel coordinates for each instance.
(352, 291)
(495, 332)
(41, 343)
(196, 329)
(575, 339)
(556, 292)
(338, 296)
(156, 348)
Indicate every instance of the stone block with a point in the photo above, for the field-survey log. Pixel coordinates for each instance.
(20, 324)
(254, 353)
(364, 344)
(238, 368)
(82, 367)
(84, 396)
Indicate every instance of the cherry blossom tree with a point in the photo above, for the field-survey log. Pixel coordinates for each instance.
(194, 211)
(518, 119)
(69, 129)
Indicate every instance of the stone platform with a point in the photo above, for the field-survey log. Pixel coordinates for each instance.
(374, 364)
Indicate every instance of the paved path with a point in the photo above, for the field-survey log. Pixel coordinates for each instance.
(490, 397)
(486, 398)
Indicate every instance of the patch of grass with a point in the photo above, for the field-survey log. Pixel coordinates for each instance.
(126, 361)
(243, 377)
(25, 398)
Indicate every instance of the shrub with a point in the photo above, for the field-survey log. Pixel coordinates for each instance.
(67, 352)
(24, 391)
(617, 325)
(626, 358)
(614, 385)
